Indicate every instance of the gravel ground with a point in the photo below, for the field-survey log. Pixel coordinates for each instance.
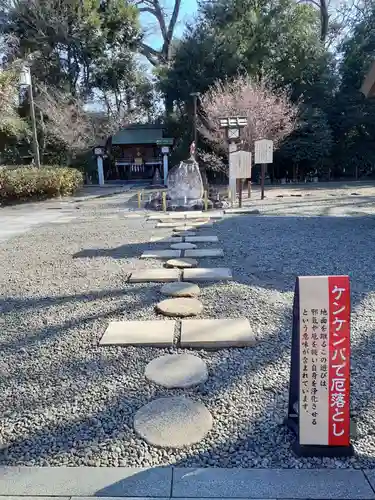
(65, 401)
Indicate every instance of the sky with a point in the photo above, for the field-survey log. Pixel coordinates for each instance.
(187, 11)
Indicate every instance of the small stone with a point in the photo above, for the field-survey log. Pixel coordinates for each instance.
(183, 246)
(181, 289)
(180, 307)
(182, 263)
(173, 422)
(177, 371)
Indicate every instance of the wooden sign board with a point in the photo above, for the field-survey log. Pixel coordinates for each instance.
(319, 392)
(240, 165)
(263, 151)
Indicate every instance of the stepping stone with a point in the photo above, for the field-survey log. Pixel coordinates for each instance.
(183, 246)
(145, 333)
(201, 239)
(181, 289)
(182, 263)
(155, 275)
(177, 371)
(204, 252)
(201, 224)
(180, 307)
(166, 239)
(184, 234)
(173, 422)
(166, 224)
(207, 274)
(216, 333)
(251, 211)
(182, 229)
(160, 254)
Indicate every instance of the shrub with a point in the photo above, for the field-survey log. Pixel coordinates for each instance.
(24, 183)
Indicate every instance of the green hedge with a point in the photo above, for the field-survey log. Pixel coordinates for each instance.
(24, 183)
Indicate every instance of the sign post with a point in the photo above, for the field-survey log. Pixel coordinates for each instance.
(319, 391)
(263, 156)
(239, 169)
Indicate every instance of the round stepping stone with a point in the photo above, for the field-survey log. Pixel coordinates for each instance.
(181, 289)
(180, 307)
(183, 246)
(173, 422)
(182, 263)
(177, 371)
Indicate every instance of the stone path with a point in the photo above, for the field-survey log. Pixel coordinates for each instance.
(178, 421)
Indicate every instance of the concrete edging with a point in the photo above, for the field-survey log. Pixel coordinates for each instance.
(170, 482)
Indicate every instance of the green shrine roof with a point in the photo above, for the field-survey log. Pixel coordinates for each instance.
(138, 134)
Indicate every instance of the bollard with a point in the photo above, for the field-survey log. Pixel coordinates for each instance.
(205, 201)
(164, 198)
(229, 194)
(139, 199)
(249, 189)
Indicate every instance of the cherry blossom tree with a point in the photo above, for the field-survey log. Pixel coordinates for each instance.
(270, 113)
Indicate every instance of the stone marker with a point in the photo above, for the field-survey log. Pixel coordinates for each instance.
(216, 333)
(180, 289)
(173, 422)
(183, 246)
(160, 254)
(182, 263)
(166, 239)
(177, 371)
(155, 275)
(181, 307)
(204, 252)
(207, 274)
(145, 333)
(201, 239)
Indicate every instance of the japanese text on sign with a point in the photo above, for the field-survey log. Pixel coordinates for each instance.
(324, 360)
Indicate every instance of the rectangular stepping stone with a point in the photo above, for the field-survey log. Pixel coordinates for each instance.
(161, 254)
(216, 333)
(199, 224)
(207, 274)
(166, 239)
(242, 211)
(204, 252)
(146, 333)
(155, 275)
(169, 224)
(201, 239)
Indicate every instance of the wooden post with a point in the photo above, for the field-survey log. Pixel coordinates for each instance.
(263, 175)
(164, 201)
(139, 196)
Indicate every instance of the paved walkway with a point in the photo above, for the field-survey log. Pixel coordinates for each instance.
(169, 482)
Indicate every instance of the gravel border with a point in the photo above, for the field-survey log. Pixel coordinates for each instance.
(66, 401)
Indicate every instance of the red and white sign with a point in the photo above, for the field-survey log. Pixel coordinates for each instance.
(324, 393)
